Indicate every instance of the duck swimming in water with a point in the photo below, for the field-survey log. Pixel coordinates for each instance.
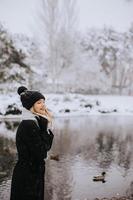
(100, 177)
(54, 157)
(3, 174)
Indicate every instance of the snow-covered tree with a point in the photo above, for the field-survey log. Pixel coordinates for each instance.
(114, 52)
(57, 27)
(12, 65)
(34, 59)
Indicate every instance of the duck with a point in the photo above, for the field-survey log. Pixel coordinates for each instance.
(3, 174)
(100, 177)
(54, 157)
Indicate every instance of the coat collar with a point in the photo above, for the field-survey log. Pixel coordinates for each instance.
(27, 114)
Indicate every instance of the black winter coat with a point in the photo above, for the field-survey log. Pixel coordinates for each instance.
(32, 141)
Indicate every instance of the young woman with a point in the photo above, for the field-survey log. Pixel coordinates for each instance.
(33, 140)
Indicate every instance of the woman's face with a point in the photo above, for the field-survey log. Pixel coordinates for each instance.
(39, 106)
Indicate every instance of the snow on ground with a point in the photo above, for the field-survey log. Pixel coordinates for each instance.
(75, 104)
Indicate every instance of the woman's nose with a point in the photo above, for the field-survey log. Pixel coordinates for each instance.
(42, 106)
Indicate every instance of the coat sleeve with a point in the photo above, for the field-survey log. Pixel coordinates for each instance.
(36, 145)
(46, 134)
(48, 138)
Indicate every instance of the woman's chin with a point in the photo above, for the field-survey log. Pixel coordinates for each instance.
(41, 112)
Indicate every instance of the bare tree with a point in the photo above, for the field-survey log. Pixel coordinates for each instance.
(57, 19)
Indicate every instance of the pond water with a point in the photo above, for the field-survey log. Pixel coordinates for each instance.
(86, 146)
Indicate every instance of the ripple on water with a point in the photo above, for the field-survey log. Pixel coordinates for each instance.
(86, 148)
(5, 189)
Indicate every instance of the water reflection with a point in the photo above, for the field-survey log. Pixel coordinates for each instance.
(129, 191)
(86, 146)
(6, 154)
(7, 159)
(11, 125)
(114, 148)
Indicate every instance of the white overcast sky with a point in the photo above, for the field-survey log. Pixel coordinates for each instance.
(18, 15)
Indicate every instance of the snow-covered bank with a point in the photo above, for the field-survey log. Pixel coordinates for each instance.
(74, 105)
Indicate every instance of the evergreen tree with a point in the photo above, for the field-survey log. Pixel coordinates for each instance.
(13, 68)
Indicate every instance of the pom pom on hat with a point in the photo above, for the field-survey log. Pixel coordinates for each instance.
(21, 89)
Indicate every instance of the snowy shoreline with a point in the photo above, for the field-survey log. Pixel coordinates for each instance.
(19, 117)
(73, 105)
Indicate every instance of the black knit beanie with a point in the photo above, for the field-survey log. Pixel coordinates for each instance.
(29, 97)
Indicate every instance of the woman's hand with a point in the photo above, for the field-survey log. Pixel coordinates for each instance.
(44, 113)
